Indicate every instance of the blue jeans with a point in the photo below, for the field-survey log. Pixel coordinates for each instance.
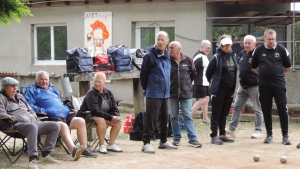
(242, 97)
(186, 109)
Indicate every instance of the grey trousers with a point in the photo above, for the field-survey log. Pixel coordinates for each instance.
(32, 130)
(242, 97)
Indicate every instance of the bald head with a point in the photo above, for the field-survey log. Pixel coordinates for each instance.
(175, 49)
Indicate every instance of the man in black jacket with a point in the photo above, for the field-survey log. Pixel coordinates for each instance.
(248, 88)
(272, 61)
(183, 73)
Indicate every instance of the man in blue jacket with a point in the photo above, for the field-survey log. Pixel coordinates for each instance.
(44, 98)
(155, 80)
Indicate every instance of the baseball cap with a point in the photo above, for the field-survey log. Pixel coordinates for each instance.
(226, 41)
(9, 81)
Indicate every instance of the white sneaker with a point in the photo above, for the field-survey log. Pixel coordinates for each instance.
(256, 134)
(230, 132)
(114, 148)
(33, 165)
(49, 159)
(102, 149)
(148, 149)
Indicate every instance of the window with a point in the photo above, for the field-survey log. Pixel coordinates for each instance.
(146, 31)
(50, 44)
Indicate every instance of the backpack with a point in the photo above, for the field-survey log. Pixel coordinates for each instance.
(101, 64)
(119, 57)
(137, 130)
(79, 61)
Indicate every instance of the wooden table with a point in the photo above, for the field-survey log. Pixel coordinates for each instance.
(84, 80)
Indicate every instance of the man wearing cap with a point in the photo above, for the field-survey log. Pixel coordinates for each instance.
(15, 107)
(221, 73)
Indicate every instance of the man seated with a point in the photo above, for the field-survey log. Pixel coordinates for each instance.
(44, 98)
(15, 107)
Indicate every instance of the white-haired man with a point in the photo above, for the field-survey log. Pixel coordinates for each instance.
(248, 88)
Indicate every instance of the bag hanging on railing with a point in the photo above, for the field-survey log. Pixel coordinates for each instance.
(79, 61)
(119, 57)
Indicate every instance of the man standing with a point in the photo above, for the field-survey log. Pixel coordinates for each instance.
(155, 80)
(271, 61)
(183, 73)
(201, 93)
(15, 107)
(248, 88)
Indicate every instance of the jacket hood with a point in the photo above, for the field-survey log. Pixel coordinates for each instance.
(154, 49)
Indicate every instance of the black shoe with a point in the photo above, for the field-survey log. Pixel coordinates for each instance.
(268, 139)
(285, 140)
(298, 145)
(88, 153)
(216, 140)
(226, 139)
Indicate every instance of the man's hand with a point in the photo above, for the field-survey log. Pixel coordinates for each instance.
(255, 70)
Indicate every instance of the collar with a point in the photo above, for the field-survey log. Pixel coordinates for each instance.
(272, 47)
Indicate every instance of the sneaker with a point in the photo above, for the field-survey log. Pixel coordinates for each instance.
(147, 148)
(88, 153)
(167, 145)
(226, 139)
(216, 140)
(230, 132)
(285, 140)
(33, 165)
(298, 145)
(49, 159)
(195, 144)
(76, 154)
(205, 121)
(114, 148)
(102, 149)
(176, 142)
(268, 139)
(256, 134)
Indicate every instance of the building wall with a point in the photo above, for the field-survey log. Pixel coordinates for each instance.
(16, 49)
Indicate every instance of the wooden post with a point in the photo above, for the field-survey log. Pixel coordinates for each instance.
(138, 97)
(84, 87)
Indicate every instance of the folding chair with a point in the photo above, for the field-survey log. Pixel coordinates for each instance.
(90, 124)
(15, 135)
(44, 117)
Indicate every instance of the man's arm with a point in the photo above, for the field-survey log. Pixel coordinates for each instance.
(145, 70)
(30, 98)
(254, 61)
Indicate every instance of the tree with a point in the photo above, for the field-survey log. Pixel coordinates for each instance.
(13, 9)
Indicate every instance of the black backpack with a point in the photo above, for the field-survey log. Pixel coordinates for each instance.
(137, 130)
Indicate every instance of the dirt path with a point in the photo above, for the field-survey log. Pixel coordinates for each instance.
(229, 155)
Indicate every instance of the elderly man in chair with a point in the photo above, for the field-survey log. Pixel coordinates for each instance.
(44, 98)
(13, 106)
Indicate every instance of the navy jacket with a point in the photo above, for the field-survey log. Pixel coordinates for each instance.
(155, 74)
(214, 70)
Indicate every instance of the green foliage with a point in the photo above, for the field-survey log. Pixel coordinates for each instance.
(229, 30)
(13, 9)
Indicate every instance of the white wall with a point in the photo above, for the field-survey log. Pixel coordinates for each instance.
(16, 49)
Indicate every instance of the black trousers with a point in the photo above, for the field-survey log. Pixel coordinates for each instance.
(157, 110)
(220, 104)
(266, 94)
